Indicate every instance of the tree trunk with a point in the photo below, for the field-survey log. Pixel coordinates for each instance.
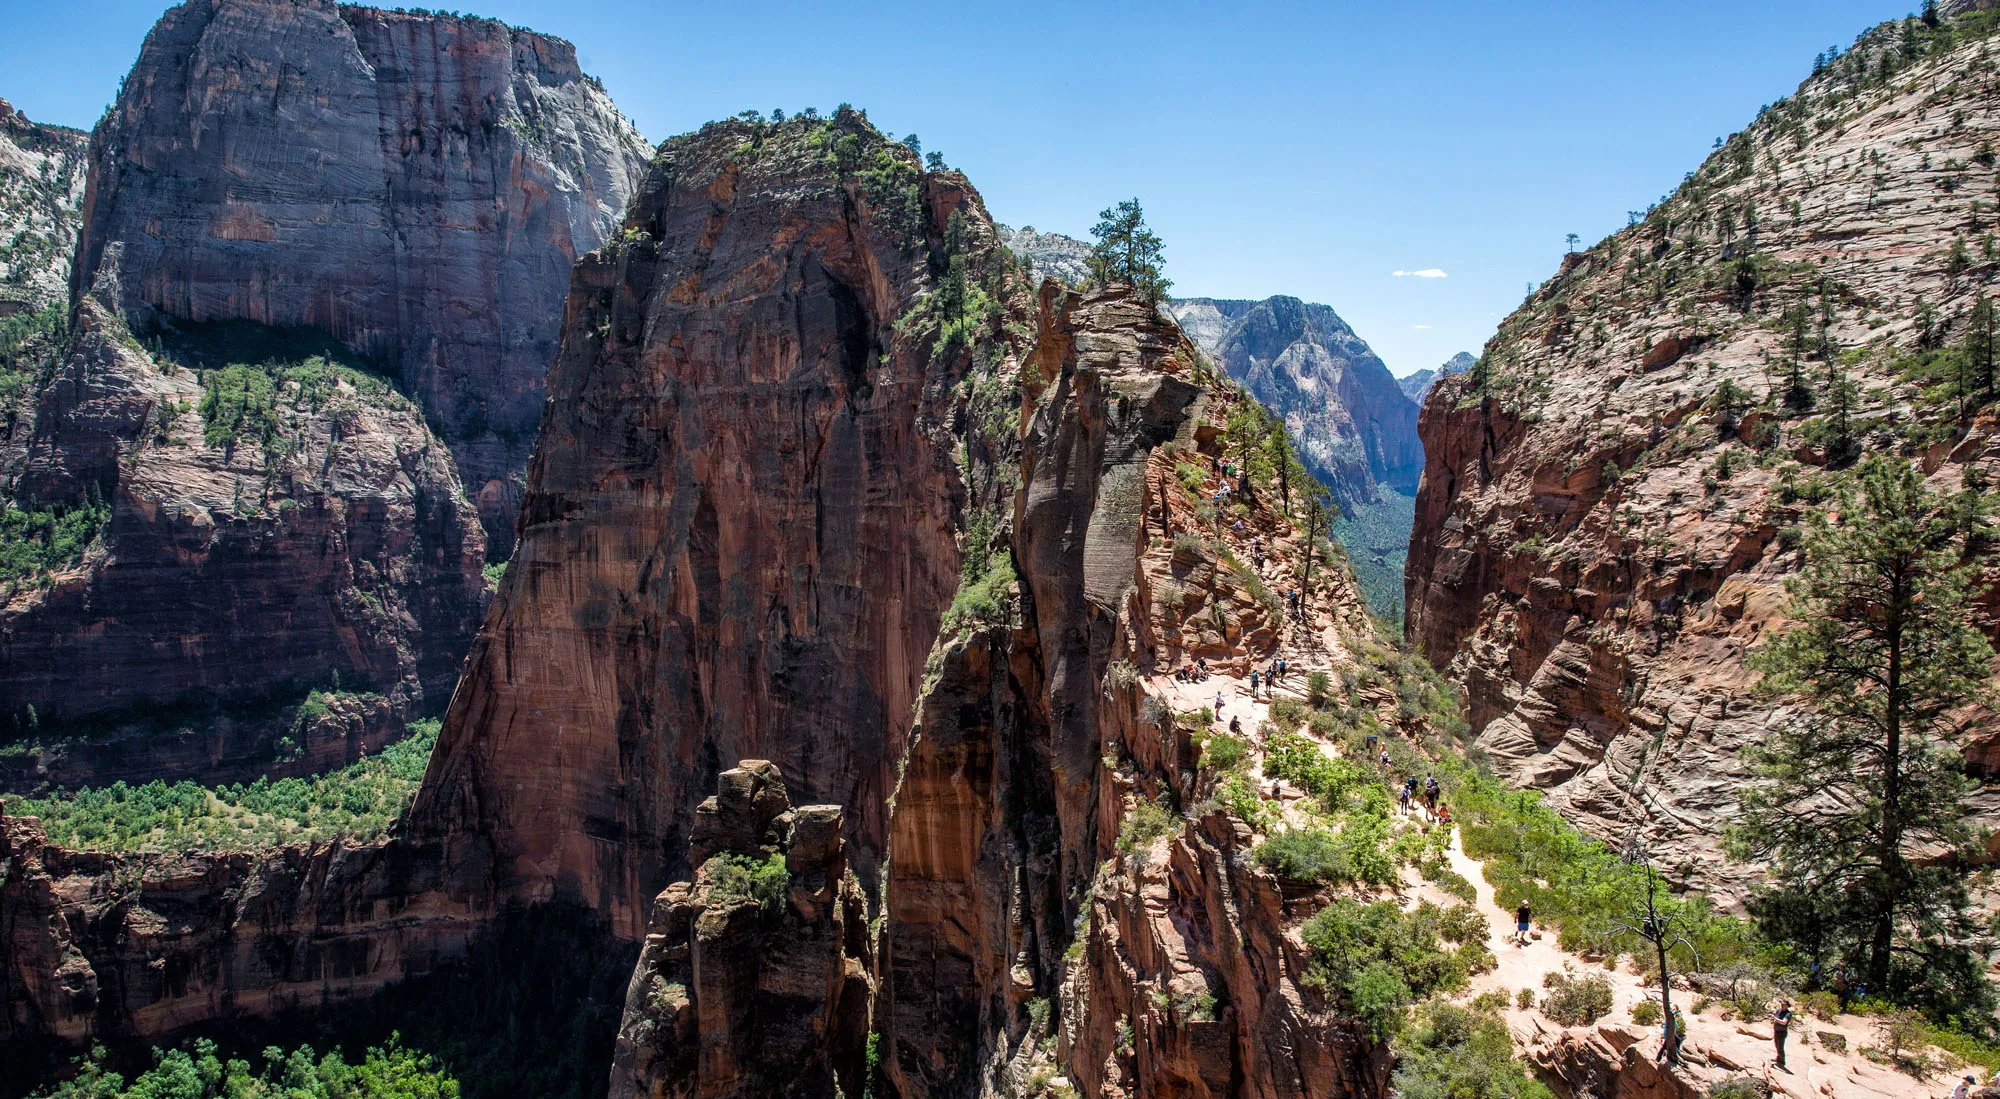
(1882, 939)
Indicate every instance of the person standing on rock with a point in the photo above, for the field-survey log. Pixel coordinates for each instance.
(1523, 918)
(1964, 1088)
(1253, 683)
(1781, 1028)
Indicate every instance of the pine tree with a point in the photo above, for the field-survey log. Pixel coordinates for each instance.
(1866, 773)
(1979, 349)
(1128, 252)
(1798, 395)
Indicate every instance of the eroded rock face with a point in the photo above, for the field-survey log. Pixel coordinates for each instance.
(416, 185)
(740, 529)
(1356, 429)
(242, 570)
(116, 947)
(736, 994)
(42, 170)
(1598, 543)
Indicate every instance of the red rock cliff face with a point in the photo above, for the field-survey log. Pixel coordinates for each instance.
(1598, 545)
(738, 537)
(416, 185)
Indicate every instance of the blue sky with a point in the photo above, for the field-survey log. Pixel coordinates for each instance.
(1306, 149)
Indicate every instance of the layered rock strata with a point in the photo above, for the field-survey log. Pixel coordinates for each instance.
(416, 185)
(1610, 499)
(404, 193)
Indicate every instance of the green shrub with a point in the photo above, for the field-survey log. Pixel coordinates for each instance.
(1223, 752)
(1287, 713)
(1148, 821)
(1319, 689)
(1575, 1000)
(746, 877)
(1377, 959)
(33, 543)
(1458, 1053)
(1305, 854)
(1647, 1013)
(1740, 1087)
(388, 1071)
(362, 799)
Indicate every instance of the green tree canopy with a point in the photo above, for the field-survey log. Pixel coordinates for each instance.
(1128, 251)
(1859, 798)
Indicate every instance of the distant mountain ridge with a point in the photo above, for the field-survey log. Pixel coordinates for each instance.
(1357, 430)
(1065, 258)
(1416, 386)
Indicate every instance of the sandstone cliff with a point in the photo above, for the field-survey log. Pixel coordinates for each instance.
(415, 185)
(1604, 525)
(1053, 255)
(42, 171)
(314, 305)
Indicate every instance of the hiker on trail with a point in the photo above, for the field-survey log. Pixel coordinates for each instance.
(1444, 818)
(1201, 666)
(1403, 801)
(1281, 666)
(1781, 1027)
(1522, 919)
(1431, 791)
(1253, 683)
(1235, 726)
(1218, 704)
(1385, 759)
(1962, 1091)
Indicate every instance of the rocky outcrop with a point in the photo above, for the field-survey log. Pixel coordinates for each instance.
(1418, 385)
(42, 170)
(416, 185)
(740, 532)
(1355, 429)
(1607, 511)
(103, 947)
(329, 542)
(1053, 255)
(404, 196)
(738, 992)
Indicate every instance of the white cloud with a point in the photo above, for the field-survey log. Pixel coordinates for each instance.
(1421, 327)
(1426, 273)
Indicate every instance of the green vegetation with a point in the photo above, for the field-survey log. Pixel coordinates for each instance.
(30, 346)
(987, 580)
(1575, 999)
(1378, 960)
(1148, 821)
(1127, 251)
(252, 374)
(389, 1071)
(359, 800)
(36, 543)
(743, 877)
(1887, 660)
(1377, 537)
(1456, 1052)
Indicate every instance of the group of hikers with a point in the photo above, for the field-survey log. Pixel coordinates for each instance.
(1429, 797)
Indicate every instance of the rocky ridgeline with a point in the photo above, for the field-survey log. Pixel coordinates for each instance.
(1609, 500)
(314, 305)
(1356, 428)
(42, 171)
